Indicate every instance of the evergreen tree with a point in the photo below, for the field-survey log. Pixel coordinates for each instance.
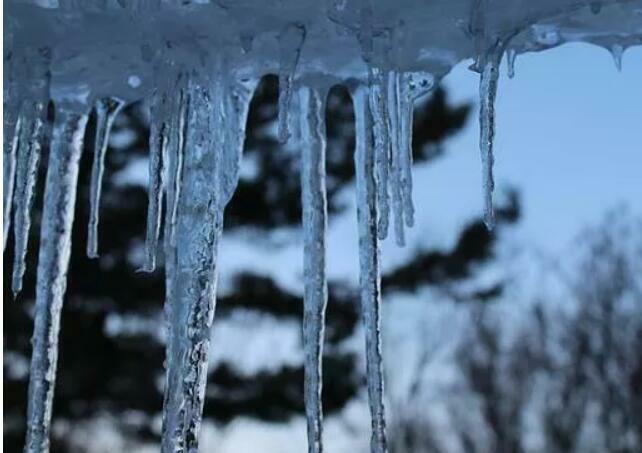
(111, 350)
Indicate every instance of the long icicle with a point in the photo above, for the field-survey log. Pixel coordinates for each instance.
(313, 193)
(53, 263)
(369, 278)
(192, 282)
(11, 128)
(488, 93)
(32, 120)
(290, 43)
(106, 111)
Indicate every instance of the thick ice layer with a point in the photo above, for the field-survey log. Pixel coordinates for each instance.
(199, 62)
(100, 43)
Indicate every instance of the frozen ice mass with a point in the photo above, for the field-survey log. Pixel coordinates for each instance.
(197, 64)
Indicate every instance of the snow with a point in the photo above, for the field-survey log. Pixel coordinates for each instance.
(160, 48)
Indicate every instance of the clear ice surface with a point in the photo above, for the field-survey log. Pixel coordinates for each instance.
(106, 111)
(199, 62)
(369, 263)
(313, 193)
(53, 263)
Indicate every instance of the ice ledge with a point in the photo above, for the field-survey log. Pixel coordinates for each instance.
(106, 44)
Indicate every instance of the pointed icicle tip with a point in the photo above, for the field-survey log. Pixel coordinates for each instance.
(511, 56)
(617, 51)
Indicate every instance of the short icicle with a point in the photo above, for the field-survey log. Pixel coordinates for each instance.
(32, 119)
(290, 42)
(192, 260)
(236, 106)
(405, 116)
(617, 51)
(158, 141)
(488, 92)
(511, 56)
(396, 168)
(11, 128)
(106, 111)
(369, 276)
(312, 111)
(53, 263)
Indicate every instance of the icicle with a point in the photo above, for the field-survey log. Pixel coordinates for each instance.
(405, 114)
(396, 169)
(211, 127)
(175, 153)
(312, 109)
(379, 108)
(32, 120)
(53, 263)
(617, 51)
(488, 92)
(11, 128)
(511, 54)
(369, 279)
(236, 107)
(158, 140)
(290, 42)
(106, 111)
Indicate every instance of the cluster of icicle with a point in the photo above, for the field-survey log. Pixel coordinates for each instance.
(197, 133)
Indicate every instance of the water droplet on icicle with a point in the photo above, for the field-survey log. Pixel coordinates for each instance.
(488, 92)
(290, 43)
(106, 111)
(313, 193)
(369, 256)
(32, 119)
(53, 264)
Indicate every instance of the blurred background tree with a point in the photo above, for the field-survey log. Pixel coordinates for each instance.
(558, 375)
(111, 341)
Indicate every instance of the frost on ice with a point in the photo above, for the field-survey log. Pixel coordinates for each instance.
(197, 64)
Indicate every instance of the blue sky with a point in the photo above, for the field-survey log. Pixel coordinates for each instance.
(569, 136)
